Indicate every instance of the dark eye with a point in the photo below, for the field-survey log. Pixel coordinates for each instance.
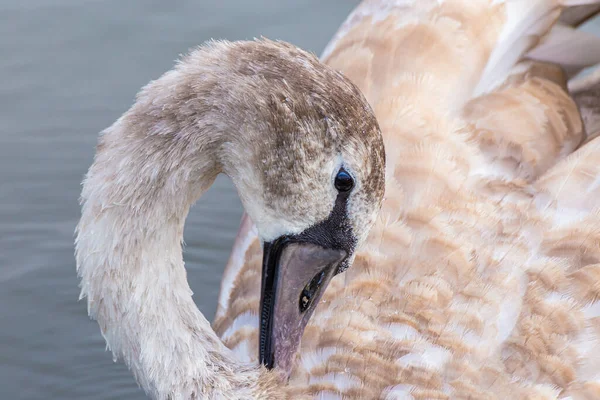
(343, 181)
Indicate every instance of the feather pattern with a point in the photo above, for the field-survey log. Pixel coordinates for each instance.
(480, 278)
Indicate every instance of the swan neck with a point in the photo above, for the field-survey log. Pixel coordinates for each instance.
(150, 167)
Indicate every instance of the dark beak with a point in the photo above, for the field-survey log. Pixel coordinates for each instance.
(294, 277)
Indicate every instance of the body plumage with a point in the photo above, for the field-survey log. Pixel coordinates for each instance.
(480, 276)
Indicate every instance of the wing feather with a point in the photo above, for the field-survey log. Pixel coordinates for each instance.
(558, 48)
(528, 31)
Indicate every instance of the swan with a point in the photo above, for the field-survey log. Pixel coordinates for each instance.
(304, 150)
(479, 278)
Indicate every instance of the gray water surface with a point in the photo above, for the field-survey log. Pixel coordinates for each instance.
(68, 69)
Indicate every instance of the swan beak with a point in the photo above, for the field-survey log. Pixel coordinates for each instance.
(294, 277)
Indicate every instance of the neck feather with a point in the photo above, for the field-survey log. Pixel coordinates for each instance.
(150, 166)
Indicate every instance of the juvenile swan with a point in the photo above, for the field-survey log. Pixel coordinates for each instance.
(305, 153)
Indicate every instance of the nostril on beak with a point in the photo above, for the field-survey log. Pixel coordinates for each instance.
(310, 290)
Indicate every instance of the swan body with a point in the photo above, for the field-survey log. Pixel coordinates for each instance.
(479, 278)
(305, 152)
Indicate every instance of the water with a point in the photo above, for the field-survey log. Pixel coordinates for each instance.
(69, 68)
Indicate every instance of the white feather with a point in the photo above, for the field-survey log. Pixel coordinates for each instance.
(571, 48)
(526, 21)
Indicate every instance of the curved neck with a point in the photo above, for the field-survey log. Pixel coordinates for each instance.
(150, 166)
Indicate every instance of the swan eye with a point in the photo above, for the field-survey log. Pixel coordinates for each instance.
(343, 181)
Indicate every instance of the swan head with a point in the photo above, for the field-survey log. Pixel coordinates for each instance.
(309, 168)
